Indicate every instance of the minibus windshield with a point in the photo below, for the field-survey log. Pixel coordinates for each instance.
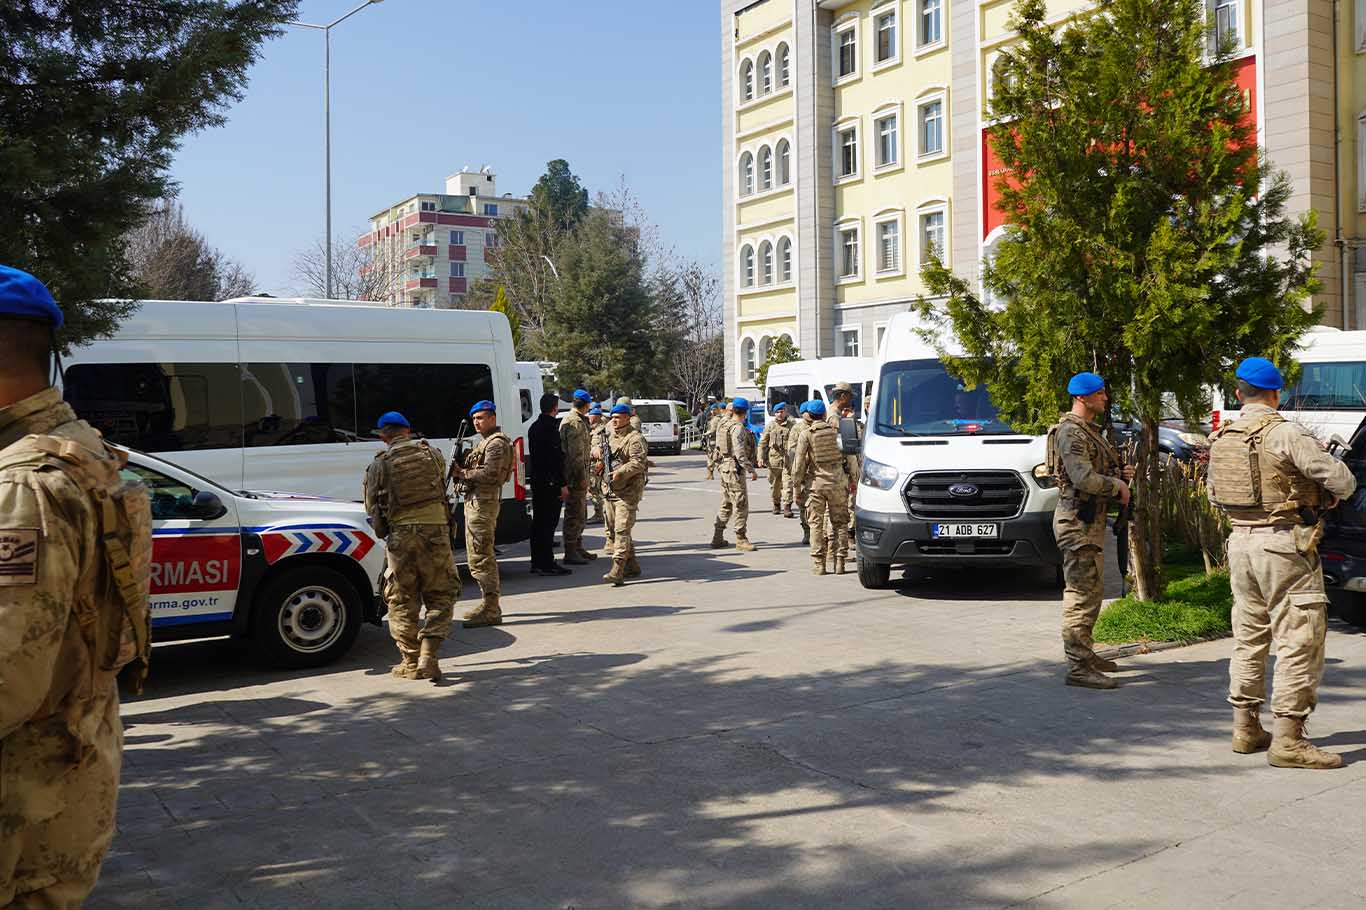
(1328, 387)
(920, 398)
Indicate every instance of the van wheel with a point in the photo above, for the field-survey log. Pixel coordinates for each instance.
(305, 617)
(873, 575)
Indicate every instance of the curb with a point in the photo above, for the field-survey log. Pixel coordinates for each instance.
(1152, 647)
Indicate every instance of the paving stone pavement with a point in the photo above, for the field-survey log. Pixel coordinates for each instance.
(730, 732)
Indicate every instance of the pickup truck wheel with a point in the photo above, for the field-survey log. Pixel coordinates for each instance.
(305, 617)
(872, 575)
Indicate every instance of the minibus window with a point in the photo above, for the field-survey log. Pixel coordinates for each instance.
(435, 397)
(287, 404)
(160, 407)
(794, 395)
(1328, 387)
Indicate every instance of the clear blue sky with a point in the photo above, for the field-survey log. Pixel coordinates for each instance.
(422, 87)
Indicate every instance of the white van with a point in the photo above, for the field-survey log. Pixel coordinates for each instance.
(1330, 397)
(266, 394)
(803, 380)
(944, 481)
(530, 388)
(660, 424)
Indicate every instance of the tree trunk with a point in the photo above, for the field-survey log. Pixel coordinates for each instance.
(1146, 533)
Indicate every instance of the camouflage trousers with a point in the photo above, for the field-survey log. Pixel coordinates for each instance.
(1083, 575)
(797, 493)
(421, 571)
(481, 523)
(619, 518)
(831, 503)
(575, 519)
(1278, 598)
(734, 501)
(56, 816)
(779, 488)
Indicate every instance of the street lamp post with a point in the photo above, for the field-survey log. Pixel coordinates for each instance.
(327, 129)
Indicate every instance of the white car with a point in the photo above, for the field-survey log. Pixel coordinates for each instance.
(660, 424)
(295, 576)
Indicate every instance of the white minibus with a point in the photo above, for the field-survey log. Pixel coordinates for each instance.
(266, 394)
(530, 388)
(803, 380)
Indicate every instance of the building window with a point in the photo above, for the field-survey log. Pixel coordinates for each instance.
(885, 128)
(765, 344)
(784, 75)
(784, 260)
(746, 174)
(879, 333)
(747, 81)
(884, 31)
(931, 22)
(765, 73)
(849, 341)
(931, 235)
(846, 43)
(932, 128)
(765, 168)
(491, 208)
(428, 206)
(848, 252)
(490, 240)
(784, 163)
(847, 140)
(1226, 32)
(748, 366)
(888, 247)
(746, 266)
(457, 270)
(457, 238)
(765, 263)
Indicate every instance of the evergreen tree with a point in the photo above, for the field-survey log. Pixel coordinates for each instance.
(500, 305)
(781, 351)
(559, 197)
(94, 99)
(1147, 240)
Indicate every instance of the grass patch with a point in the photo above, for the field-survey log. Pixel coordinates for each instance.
(1195, 607)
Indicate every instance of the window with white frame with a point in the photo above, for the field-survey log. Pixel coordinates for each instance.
(784, 259)
(784, 69)
(457, 238)
(931, 117)
(746, 174)
(765, 168)
(457, 270)
(884, 36)
(748, 363)
(765, 263)
(847, 251)
(784, 162)
(849, 339)
(765, 345)
(747, 81)
(846, 50)
(888, 246)
(491, 208)
(879, 332)
(490, 240)
(428, 206)
(931, 234)
(846, 141)
(765, 73)
(931, 29)
(885, 129)
(747, 266)
(1227, 33)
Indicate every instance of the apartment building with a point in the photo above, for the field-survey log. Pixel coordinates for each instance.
(855, 142)
(429, 249)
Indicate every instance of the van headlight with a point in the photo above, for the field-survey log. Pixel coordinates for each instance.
(1044, 479)
(878, 475)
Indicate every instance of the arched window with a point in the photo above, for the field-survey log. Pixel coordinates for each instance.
(747, 266)
(748, 366)
(765, 344)
(784, 259)
(782, 66)
(765, 73)
(765, 263)
(765, 168)
(746, 174)
(747, 81)
(784, 163)
(787, 337)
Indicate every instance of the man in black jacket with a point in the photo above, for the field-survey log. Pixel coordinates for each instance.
(545, 471)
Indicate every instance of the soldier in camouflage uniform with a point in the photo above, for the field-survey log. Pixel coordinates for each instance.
(820, 464)
(720, 419)
(1089, 473)
(796, 483)
(635, 420)
(597, 433)
(733, 457)
(625, 486)
(405, 497)
(773, 455)
(1275, 481)
(481, 478)
(574, 441)
(75, 547)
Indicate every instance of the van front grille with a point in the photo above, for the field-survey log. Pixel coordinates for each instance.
(970, 495)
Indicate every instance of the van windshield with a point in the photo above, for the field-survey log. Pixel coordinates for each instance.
(1328, 387)
(857, 393)
(920, 398)
(655, 413)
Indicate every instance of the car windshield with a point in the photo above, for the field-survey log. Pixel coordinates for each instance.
(920, 398)
(654, 413)
(1328, 387)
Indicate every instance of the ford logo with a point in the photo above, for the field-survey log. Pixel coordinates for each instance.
(963, 489)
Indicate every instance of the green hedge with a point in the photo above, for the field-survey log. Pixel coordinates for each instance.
(1195, 607)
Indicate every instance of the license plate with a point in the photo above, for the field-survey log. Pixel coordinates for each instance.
(965, 529)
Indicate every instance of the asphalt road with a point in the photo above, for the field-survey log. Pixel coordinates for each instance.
(726, 732)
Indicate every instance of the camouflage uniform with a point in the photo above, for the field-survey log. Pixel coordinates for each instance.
(574, 442)
(773, 454)
(420, 567)
(486, 469)
(72, 612)
(795, 482)
(625, 487)
(597, 438)
(714, 426)
(822, 468)
(734, 459)
(1087, 468)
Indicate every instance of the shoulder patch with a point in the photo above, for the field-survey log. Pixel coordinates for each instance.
(18, 556)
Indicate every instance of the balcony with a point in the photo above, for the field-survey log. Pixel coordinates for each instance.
(423, 248)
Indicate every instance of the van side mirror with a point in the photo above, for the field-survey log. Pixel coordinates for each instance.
(207, 506)
(850, 443)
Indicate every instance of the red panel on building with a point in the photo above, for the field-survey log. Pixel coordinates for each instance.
(455, 253)
(465, 220)
(458, 285)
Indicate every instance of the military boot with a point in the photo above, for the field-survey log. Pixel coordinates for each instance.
(488, 614)
(1101, 664)
(1087, 678)
(585, 554)
(405, 669)
(818, 566)
(575, 558)
(777, 508)
(617, 574)
(787, 513)
(427, 666)
(718, 538)
(743, 544)
(839, 565)
(1289, 748)
(1248, 735)
(632, 569)
(806, 536)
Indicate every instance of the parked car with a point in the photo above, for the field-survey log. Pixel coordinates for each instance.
(1343, 550)
(660, 424)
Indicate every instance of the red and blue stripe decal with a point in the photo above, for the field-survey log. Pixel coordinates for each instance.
(281, 543)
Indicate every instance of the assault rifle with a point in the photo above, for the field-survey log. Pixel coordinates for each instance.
(607, 463)
(1125, 515)
(453, 490)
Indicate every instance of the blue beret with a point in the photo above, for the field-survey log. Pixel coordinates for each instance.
(1260, 372)
(801, 408)
(816, 406)
(24, 297)
(740, 404)
(595, 409)
(621, 409)
(484, 405)
(582, 395)
(1084, 384)
(780, 406)
(392, 419)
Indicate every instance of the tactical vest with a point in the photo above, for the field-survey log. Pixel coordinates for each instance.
(1244, 477)
(1109, 465)
(480, 456)
(413, 476)
(723, 446)
(825, 449)
(101, 643)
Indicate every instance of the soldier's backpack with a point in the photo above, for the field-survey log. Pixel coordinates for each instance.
(825, 447)
(1235, 464)
(414, 478)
